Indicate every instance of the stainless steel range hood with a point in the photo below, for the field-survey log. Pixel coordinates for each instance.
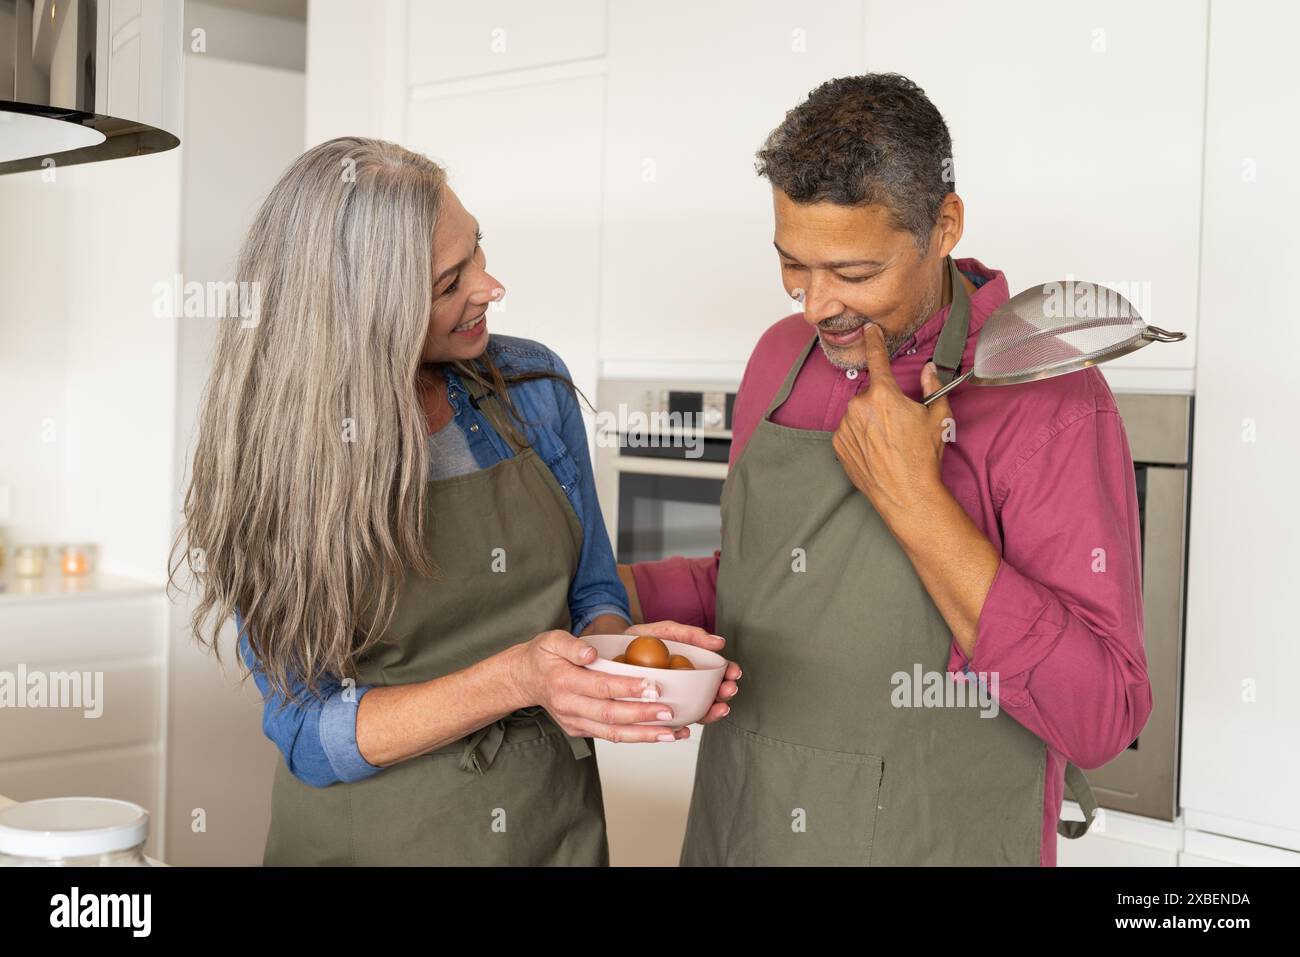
(88, 80)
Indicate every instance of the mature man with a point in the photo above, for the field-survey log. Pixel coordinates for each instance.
(888, 570)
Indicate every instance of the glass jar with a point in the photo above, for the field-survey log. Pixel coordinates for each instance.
(73, 832)
(77, 559)
(29, 561)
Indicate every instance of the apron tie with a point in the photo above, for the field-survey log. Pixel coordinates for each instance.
(482, 746)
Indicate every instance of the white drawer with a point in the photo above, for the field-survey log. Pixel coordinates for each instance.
(128, 698)
(81, 629)
(129, 775)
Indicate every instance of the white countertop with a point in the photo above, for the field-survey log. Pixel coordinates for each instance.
(58, 587)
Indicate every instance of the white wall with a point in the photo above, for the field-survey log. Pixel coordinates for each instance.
(33, 352)
(87, 374)
(121, 360)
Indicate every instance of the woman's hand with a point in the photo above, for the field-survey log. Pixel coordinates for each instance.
(690, 635)
(549, 671)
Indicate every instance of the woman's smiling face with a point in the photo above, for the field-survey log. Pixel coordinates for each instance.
(462, 287)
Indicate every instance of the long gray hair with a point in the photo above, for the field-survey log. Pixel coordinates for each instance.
(307, 499)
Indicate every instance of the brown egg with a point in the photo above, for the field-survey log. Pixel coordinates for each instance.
(648, 652)
(680, 663)
(621, 659)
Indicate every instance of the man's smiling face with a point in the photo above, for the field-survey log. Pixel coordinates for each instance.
(855, 266)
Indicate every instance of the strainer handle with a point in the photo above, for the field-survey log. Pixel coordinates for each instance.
(947, 388)
(1156, 334)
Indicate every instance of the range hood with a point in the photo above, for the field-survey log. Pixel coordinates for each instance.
(88, 80)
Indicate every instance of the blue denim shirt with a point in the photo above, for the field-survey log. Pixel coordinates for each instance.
(318, 735)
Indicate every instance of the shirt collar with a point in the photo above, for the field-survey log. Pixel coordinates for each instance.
(983, 301)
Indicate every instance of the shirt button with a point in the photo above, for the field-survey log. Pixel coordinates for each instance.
(852, 373)
(911, 352)
(474, 427)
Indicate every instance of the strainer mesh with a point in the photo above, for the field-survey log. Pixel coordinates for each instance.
(1032, 334)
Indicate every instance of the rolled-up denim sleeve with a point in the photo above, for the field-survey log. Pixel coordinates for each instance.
(596, 588)
(316, 734)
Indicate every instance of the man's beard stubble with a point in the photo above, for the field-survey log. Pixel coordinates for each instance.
(841, 357)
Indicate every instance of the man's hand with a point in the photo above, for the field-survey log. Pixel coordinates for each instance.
(691, 635)
(891, 447)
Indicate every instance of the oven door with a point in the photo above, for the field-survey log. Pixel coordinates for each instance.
(667, 507)
(1143, 778)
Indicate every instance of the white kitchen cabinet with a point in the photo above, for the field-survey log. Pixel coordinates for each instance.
(1128, 840)
(1241, 756)
(1117, 839)
(687, 268)
(448, 41)
(525, 161)
(111, 632)
(144, 40)
(1077, 134)
(647, 792)
(1214, 850)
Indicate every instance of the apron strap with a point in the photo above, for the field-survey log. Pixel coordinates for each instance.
(784, 392)
(1081, 791)
(481, 747)
(951, 344)
(487, 401)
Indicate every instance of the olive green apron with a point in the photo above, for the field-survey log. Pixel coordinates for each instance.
(519, 791)
(821, 606)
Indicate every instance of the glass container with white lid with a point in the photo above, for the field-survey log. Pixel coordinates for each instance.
(73, 832)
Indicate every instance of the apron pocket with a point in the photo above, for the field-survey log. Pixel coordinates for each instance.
(771, 803)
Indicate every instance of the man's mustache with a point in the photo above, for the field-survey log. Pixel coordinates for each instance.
(842, 323)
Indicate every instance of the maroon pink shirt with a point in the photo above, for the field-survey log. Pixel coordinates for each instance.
(1044, 470)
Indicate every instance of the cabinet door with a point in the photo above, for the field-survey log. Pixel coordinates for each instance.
(1241, 755)
(1214, 850)
(1117, 839)
(525, 161)
(125, 774)
(688, 270)
(448, 41)
(1077, 136)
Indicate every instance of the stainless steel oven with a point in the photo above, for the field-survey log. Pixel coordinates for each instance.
(661, 500)
(661, 459)
(1144, 778)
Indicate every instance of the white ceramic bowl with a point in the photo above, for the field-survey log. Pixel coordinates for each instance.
(688, 693)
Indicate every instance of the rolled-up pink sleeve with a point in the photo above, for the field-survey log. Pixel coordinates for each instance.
(678, 589)
(1061, 627)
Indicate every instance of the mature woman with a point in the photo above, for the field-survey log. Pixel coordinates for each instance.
(399, 510)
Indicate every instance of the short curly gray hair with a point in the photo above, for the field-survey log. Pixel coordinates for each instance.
(874, 139)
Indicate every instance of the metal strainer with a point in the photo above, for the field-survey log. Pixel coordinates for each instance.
(1053, 329)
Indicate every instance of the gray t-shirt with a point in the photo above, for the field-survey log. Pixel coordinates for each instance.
(449, 453)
